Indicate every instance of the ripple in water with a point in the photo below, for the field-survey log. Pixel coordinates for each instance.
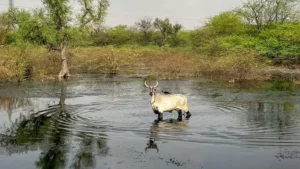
(245, 128)
(128, 114)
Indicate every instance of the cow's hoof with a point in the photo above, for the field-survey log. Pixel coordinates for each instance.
(188, 115)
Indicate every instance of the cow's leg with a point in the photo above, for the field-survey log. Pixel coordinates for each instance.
(188, 115)
(179, 115)
(155, 111)
(160, 116)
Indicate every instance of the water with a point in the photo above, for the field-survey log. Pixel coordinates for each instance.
(98, 122)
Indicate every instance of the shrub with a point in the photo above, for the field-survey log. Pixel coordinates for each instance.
(240, 65)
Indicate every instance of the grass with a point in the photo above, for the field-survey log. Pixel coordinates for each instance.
(17, 64)
(240, 65)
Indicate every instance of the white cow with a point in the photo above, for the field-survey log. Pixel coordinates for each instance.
(167, 103)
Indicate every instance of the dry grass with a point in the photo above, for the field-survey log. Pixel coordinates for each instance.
(17, 64)
(170, 65)
(237, 66)
(102, 60)
(166, 64)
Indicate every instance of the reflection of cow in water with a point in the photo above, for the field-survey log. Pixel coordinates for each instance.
(151, 145)
(169, 127)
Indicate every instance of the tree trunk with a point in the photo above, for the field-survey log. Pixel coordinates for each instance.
(64, 73)
(163, 43)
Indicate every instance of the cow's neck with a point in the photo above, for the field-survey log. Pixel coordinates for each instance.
(153, 98)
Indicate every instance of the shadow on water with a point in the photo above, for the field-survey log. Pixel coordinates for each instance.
(43, 130)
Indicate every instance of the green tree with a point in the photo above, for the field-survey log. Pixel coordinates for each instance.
(5, 26)
(80, 36)
(210, 37)
(165, 28)
(204, 40)
(174, 34)
(184, 38)
(60, 13)
(146, 29)
(93, 12)
(31, 27)
(261, 12)
(118, 35)
(226, 23)
(281, 42)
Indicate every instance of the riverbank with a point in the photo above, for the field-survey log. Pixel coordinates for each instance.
(37, 63)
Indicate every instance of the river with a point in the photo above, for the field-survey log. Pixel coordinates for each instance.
(93, 121)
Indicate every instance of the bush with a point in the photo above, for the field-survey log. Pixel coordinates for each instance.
(33, 27)
(117, 36)
(80, 37)
(235, 42)
(205, 41)
(5, 25)
(281, 42)
(240, 65)
(227, 23)
(24, 62)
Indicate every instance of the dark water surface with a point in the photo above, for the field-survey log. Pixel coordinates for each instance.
(98, 122)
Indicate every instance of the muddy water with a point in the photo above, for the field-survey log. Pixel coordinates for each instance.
(99, 122)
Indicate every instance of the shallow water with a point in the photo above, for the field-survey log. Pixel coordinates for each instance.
(98, 122)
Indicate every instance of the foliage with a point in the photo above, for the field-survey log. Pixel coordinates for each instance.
(26, 62)
(239, 65)
(261, 12)
(165, 28)
(119, 35)
(33, 27)
(60, 15)
(5, 26)
(226, 23)
(182, 39)
(210, 38)
(235, 42)
(91, 14)
(281, 42)
(146, 29)
(204, 41)
(80, 37)
(174, 34)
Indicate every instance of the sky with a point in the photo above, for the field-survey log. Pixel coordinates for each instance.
(190, 13)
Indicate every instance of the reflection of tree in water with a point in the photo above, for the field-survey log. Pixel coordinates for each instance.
(85, 158)
(8, 104)
(55, 156)
(43, 130)
(275, 116)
